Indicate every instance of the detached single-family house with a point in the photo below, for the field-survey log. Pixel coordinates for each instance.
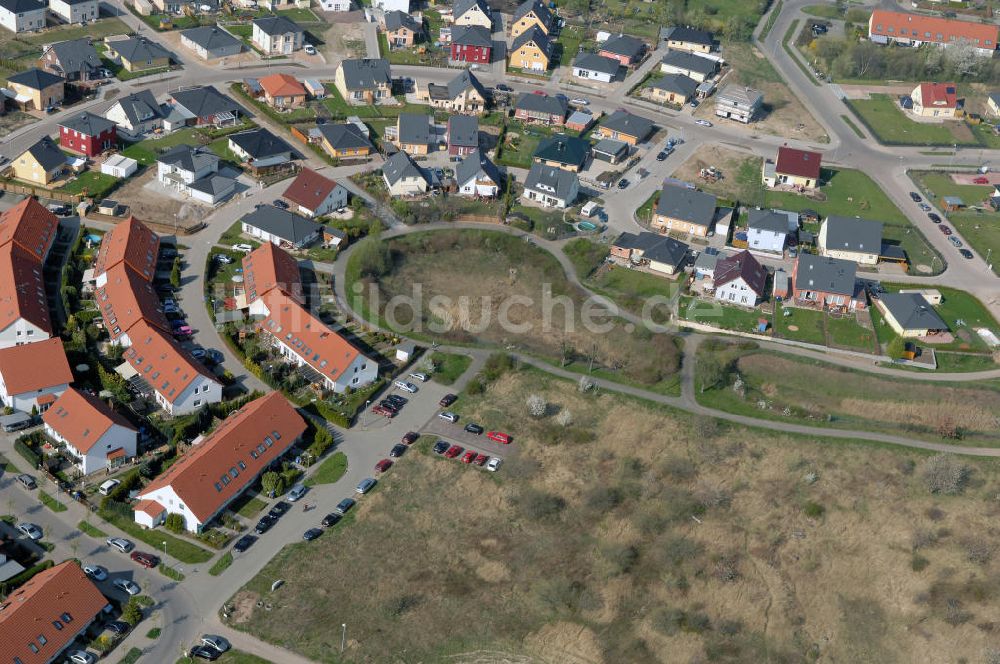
(75, 60)
(540, 107)
(688, 64)
(471, 43)
(283, 91)
(594, 67)
(221, 465)
(683, 38)
(277, 35)
(551, 186)
(660, 254)
(96, 437)
(531, 14)
(138, 54)
(403, 177)
(415, 133)
(75, 11)
(87, 134)
(768, 230)
(627, 50)
(463, 134)
(42, 163)
(270, 224)
(740, 279)
(37, 89)
(472, 12)
(314, 195)
(211, 42)
(463, 94)
(195, 172)
(180, 384)
(827, 283)
(531, 51)
(684, 210)
(401, 29)
(910, 314)
(344, 141)
(261, 150)
(477, 176)
(22, 15)
(851, 239)
(675, 89)
(935, 100)
(33, 375)
(738, 102)
(364, 81)
(136, 115)
(624, 126)
(562, 151)
(204, 105)
(796, 168)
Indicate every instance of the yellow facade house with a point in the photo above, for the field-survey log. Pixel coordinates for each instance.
(532, 51)
(40, 164)
(530, 14)
(36, 89)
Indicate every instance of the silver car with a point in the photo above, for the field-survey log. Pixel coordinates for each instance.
(121, 544)
(126, 586)
(296, 492)
(81, 657)
(30, 530)
(214, 641)
(96, 572)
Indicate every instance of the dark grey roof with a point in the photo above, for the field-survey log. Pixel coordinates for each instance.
(625, 45)
(87, 123)
(742, 265)
(464, 81)
(626, 123)
(912, 311)
(827, 275)
(530, 101)
(260, 143)
(21, 6)
(344, 136)
(563, 149)
(610, 146)
(471, 35)
(187, 158)
(689, 35)
(535, 35)
(415, 128)
(853, 234)
(286, 225)
(475, 163)
(541, 11)
(400, 166)
(139, 49)
(213, 184)
(462, 6)
(641, 241)
(768, 220)
(396, 19)
(676, 83)
(690, 62)
(689, 205)
(47, 153)
(995, 96)
(366, 74)
(140, 107)
(599, 63)
(668, 251)
(210, 37)
(205, 101)
(550, 179)
(276, 25)
(463, 130)
(36, 79)
(76, 55)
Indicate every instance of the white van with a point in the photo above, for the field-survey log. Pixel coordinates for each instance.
(108, 487)
(589, 209)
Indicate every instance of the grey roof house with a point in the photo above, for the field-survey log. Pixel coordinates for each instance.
(551, 186)
(625, 126)
(344, 136)
(675, 88)
(548, 109)
(625, 48)
(280, 227)
(403, 177)
(657, 252)
(204, 105)
(684, 210)
(476, 175)
(210, 42)
(594, 66)
(136, 114)
(738, 102)
(364, 80)
(692, 37)
(415, 132)
(47, 154)
(851, 238)
(260, 149)
(463, 134)
(75, 60)
(827, 282)
(689, 64)
(138, 53)
(566, 152)
(910, 314)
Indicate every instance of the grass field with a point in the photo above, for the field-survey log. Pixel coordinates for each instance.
(710, 313)
(90, 529)
(182, 550)
(848, 192)
(250, 507)
(961, 311)
(890, 125)
(634, 290)
(330, 470)
(449, 367)
(146, 151)
(91, 183)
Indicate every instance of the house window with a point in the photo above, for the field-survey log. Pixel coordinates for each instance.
(234, 473)
(66, 618)
(42, 640)
(225, 480)
(197, 402)
(242, 465)
(58, 625)
(218, 487)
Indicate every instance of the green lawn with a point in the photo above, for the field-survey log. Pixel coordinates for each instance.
(808, 325)
(634, 290)
(96, 30)
(518, 150)
(300, 15)
(145, 151)
(91, 183)
(51, 502)
(962, 362)
(848, 193)
(846, 333)
(585, 255)
(887, 121)
(449, 367)
(251, 507)
(222, 564)
(182, 550)
(330, 470)
(91, 530)
(961, 311)
(718, 315)
(568, 44)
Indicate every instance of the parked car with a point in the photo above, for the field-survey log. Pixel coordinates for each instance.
(96, 572)
(121, 544)
(126, 586)
(405, 386)
(27, 481)
(965, 253)
(389, 405)
(448, 416)
(30, 530)
(312, 534)
(955, 241)
(933, 216)
(410, 437)
(472, 427)
(244, 543)
(198, 353)
(344, 506)
(422, 377)
(503, 87)
(397, 450)
(223, 258)
(944, 228)
(383, 465)
(365, 485)
(499, 437)
(453, 451)
(183, 331)
(147, 560)
(441, 447)
(579, 101)
(296, 492)
(493, 465)
(915, 197)
(243, 248)
(280, 204)
(108, 486)
(447, 400)
(265, 524)
(981, 180)
(398, 400)
(309, 49)
(330, 519)
(204, 652)
(383, 411)
(703, 123)
(81, 657)
(661, 156)
(279, 509)
(481, 459)
(925, 207)
(119, 627)
(623, 183)
(469, 457)
(220, 643)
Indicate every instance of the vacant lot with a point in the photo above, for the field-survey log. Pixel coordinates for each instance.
(882, 115)
(582, 549)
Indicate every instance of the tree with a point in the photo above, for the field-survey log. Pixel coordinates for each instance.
(564, 418)
(175, 273)
(175, 523)
(373, 257)
(585, 384)
(944, 474)
(272, 483)
(132, 612)
(536, 405)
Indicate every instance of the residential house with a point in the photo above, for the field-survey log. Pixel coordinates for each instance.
(594, 67)
(138, 54)
(655, 252)
(684, 210)
(195, 172)
(37, 89)
(624, 126)
(610, 150)
(531, 14)
(704, 264)
(283, 91)
(688, 64)
(477, 176)
(740, 279)
(935, 100)
(22, 15)
(463, 134)
(463, 94)
(55, 607)
(796, 168)
(136, 115)
(268, 267)
(566, 152)
(87, 134)
(472, 12)
(550, 186)
(471, 43)
(126, 298)
(42, 163)
(132, 244)
(827, 283)
(392, 5)
(337, 5)
(627, 50)
(401, 29)
(910, 315)
(33, 375)
(738, 102)
(221, 465)
(211, 42)
(683, 38)
(277, 35)
(75, 60)
(344, 141)
(531, 51)
(768, 230)
(676, 89)
(917, 29)
(27, 232)
(579, 120)
(204, 105)
(403, 177)
(415, 133)
(851, 239)
(540, 107)
(260, 150)
(75, 11)
(314, 195)
(270, 224)
(364, 81)
(95, 436)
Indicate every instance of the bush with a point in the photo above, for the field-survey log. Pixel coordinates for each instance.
(132, 613)
(175, 523)
(540, 505)
(620, 558)
(272, 483)
(29, 454)
(813, 510)
(943, 474)
(536, 405)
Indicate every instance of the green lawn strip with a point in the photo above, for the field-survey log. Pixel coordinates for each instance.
(51, 502)
(170, 572)
(182, 550)
(7, 466)
(250, 508)
(719, 315)
(791, 54)
(330, 470)
(848, 192)
(222, 564)
(635, 290)
(300, 15)
(883, 117)
(154, 633)
(850, 123)
(96, 30)
(948, 362)
(585, 255)
(670, 386)
(132, 656)
(92, 530)
(145, 151)
(449, 367)
(845, 332)
(824, 11)
(91, 183)
(772, 18)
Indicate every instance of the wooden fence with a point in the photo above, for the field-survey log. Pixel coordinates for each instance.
(40, 192)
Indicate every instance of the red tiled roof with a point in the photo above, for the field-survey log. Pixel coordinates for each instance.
(309, 189)
(939, 95)
(161, 362)
(267, 267)
(22, 289)
(800, 163)
(239, 449)
(34, 366)
(46, 399)
(81, 419)
(281, 85)
(61, 595)
(150, 507)
(117, 453)
(126, 299)
(742, 265)
(29, 226)
(942, 30)
(130, 242)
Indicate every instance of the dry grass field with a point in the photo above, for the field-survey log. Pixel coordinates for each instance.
(638, 534)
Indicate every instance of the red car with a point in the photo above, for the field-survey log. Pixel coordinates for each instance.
(499, 437)
(944, 229)
(410, 438)
(382, 410)
(453, 451)
(981, 180)
(469, 457)
(147, 560)
(481, 459)
(383, 465)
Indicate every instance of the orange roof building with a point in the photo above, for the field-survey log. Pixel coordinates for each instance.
(220, 466)
(315, 195)
(31, 372)
(132, 243)
(916, 29)
(125, 299)
(935, 100)
(29, 226)
(27, 232)
(282, 90)
(39, 620)
(268, 267)
(94, 434)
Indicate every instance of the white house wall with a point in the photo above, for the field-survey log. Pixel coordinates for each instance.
(21, 332)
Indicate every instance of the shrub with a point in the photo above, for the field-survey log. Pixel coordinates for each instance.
(272, 483)
(132, 613)
(620, 558)
(813, 510)
(944, 474)
(603, 498)
(175, 523)
(29, 455)
(918, 563)
(536, 406)
(540, 505)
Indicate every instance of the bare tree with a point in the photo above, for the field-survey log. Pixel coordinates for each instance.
(564, 418)
(536, 406)
(944, 474)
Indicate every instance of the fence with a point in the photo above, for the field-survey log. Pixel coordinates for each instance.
(40, 192)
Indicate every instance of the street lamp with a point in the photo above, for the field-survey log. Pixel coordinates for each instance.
(343, 636)
(164, 543)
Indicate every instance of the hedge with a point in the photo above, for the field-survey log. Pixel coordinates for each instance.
(25, 576)
(29, 454)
